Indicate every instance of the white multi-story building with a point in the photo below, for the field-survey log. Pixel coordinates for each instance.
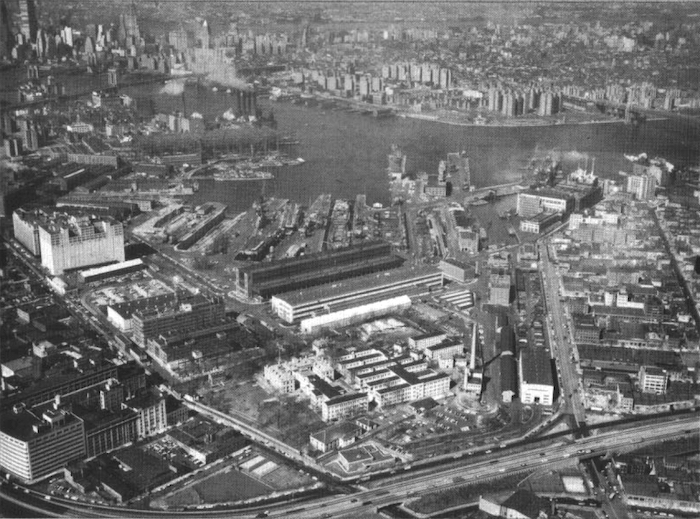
(653, 380)
(37, 443)
(26, 228)
(643, 187)
(535, 376)
(322, 299)
(152, 416)
(67, 242)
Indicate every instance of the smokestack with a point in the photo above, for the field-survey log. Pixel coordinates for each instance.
(472, 360)
(593, 166)
(184, 107)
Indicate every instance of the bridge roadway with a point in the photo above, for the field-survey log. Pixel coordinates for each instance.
(401, 487)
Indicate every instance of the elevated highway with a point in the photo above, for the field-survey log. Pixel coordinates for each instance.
(405, 484)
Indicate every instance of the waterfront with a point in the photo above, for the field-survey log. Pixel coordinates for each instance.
(345, 153)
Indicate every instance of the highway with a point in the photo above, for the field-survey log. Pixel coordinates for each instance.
(398, 488)
(562, 348)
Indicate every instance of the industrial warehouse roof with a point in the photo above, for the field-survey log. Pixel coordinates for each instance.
(507, 342)
(256, 268)
(112, 268)
(356, 311)
(376, 281)
(508, 373)
(537, 366)
(26, 424)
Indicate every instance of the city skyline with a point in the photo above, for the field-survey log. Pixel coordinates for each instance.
(332, 259)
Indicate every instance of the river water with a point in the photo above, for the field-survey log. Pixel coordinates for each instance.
(346, 153)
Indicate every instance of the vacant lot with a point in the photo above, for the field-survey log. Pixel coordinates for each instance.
(285, 478)
(229, 486)
(225, 486)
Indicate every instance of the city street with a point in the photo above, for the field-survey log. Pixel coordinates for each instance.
(559, 339)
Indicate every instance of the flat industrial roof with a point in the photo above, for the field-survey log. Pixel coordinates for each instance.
(111, 268)
(310, 258)
(347, 398)
(537, 366)
(377, 280)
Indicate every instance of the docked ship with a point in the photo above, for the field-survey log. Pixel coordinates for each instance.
(338, 235)
(317, 215)
(397, 163)
(225, 176)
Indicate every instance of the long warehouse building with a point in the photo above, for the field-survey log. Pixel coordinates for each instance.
(268, 279)
(332, 297)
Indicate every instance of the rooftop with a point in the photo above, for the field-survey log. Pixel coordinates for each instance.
(536, 366)
(336, 432)
(358, 284)
(54, 221)
(28, 424)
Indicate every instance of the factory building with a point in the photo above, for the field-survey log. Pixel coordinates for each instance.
(120, 314)
(46, 392)
(26, 228)
(533, 202)
(653, 380)
(293, 306)
(499, 288)
(108, 271)
(539, 223)
(39, 442)
(180, 316)
(356, 314)
(268, 279)
(67, 242)
(151, 416)
(457, 270)
(535, 376)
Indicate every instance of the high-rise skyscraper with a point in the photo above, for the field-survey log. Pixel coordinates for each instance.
(129, 33)
(5, 32)
(27, 19)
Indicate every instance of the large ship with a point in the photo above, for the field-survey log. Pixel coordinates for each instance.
(397, 163)
(338, 233)
(317, 215)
